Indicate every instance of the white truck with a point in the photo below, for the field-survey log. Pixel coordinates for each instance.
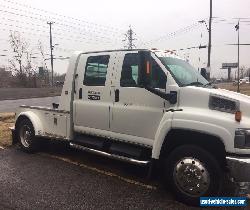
(148, 107)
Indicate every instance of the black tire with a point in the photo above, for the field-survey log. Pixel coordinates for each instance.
(181, 163)
(26, 136)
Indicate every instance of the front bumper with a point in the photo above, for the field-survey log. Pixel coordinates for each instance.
(239, 168)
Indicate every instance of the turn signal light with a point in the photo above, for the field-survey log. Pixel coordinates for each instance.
(238, 116)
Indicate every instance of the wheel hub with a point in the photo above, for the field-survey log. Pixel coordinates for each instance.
(191, 176)
(25, 135)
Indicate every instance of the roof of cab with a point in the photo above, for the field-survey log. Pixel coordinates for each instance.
(159, 53)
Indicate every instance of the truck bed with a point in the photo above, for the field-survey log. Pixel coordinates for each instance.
(49, 122)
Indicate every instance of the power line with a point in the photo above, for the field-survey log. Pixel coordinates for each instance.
(60, 35)
(90, 24)
(175, 33)
(27, 23)
(36, 35)
(45, 20)
(63, 16)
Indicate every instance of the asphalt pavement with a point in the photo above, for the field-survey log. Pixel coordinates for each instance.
(12, 105)
(58, 177)
(45, 181)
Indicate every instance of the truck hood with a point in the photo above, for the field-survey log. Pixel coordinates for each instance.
(193, 96)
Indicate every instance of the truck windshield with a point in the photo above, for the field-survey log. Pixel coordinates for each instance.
(183, 72)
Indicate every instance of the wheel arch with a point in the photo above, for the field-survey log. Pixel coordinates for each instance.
(211, 143)
(33, 118)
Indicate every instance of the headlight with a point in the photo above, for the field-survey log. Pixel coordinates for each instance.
(242, 138)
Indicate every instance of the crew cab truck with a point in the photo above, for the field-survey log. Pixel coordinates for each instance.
(148, 107)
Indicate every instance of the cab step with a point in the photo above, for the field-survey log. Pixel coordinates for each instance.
(89, 141)
(110, 155)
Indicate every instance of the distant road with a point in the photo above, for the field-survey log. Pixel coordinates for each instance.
(12, 105)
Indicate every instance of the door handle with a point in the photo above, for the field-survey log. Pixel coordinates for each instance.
(117, 93)
(75, 83)
(80, 93)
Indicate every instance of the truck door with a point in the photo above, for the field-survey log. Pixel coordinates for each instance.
(136, 112)
(92, 97)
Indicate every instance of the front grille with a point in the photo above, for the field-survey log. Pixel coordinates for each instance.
(247, 140)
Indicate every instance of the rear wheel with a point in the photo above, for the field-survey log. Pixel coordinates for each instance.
(192, 172)
(26, 135)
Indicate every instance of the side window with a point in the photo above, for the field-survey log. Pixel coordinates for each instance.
(129, 74)
(158, 76)
(96, 70)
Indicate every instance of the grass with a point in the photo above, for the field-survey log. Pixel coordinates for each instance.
(6, 121)
(244, 88)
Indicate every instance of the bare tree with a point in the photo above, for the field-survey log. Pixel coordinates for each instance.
(248, 72)
(243, 71)
(21, 64)
(41, 50)
(19, 47)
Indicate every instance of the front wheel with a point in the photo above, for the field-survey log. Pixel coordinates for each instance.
(192, 172)
(26, 136)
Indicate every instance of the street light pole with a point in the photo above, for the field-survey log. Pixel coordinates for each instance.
(51, 54)
(237, 27)
(209, 38)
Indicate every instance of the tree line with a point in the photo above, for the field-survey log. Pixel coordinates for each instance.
(24, 72)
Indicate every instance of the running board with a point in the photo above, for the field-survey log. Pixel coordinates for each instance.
(113, 156)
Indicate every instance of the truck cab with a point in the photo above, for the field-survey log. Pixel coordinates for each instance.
(148, 107)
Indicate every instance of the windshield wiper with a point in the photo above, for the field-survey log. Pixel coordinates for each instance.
(194, 84)
(210, 85)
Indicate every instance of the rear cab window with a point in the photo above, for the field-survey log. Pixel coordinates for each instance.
(96, 70)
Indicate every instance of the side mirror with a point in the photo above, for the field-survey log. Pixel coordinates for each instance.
(145, 67)
(204, 73)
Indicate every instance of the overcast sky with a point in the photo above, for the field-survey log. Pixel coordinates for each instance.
(100, 24)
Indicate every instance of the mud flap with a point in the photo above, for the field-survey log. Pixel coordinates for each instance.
(14, 136)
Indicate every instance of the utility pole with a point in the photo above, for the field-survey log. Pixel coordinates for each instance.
(51, 53)
(129, 38)
(237, 27)
(209, 38)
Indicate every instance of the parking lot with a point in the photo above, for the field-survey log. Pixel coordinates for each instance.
(48, 180)
(59, 178)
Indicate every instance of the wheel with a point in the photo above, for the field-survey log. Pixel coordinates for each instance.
(192, 172)
(26, 136)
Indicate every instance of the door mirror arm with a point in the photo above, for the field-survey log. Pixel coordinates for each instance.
(171, 97)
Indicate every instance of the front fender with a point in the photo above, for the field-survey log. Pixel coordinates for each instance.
(163, 129)
(211, 127)
(36, 122)
(207, 128)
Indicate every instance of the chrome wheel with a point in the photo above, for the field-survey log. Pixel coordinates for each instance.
(25, 135)
(191, 176)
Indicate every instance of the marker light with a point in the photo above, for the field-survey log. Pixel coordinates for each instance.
(148, 68)
(238, 116)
